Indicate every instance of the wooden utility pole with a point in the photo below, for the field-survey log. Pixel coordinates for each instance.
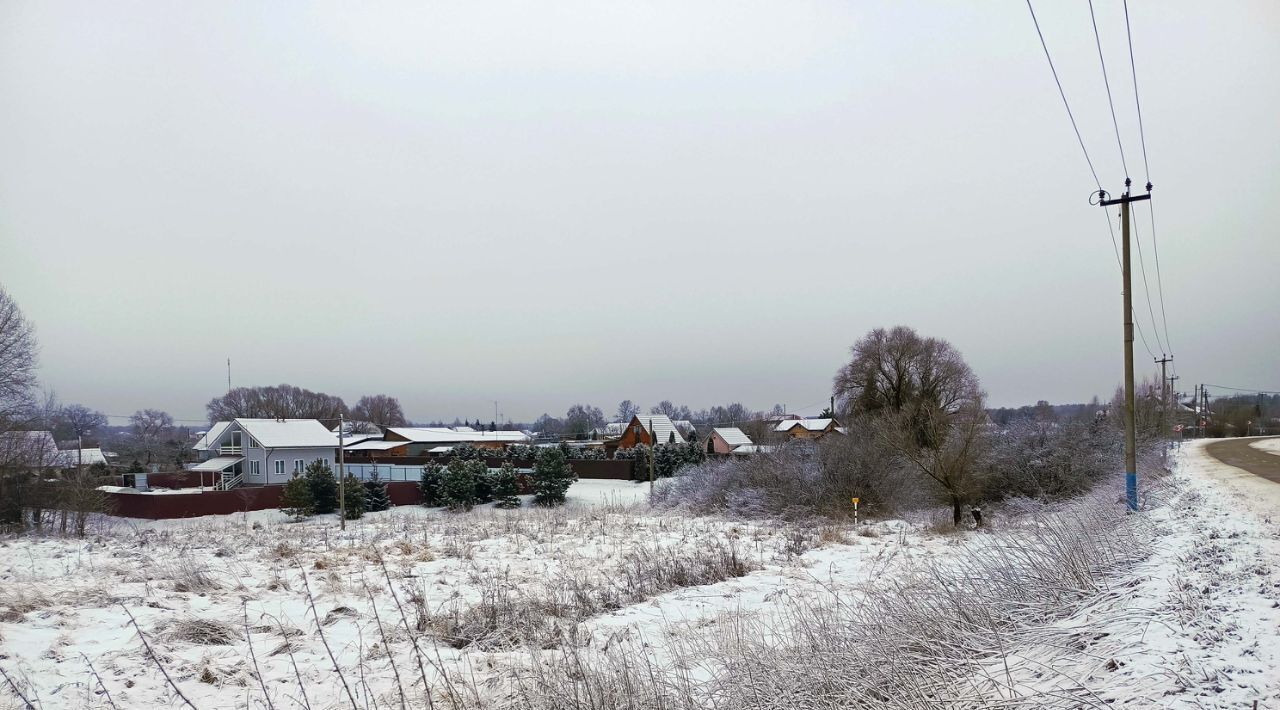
(1130, 433)
(342, 474)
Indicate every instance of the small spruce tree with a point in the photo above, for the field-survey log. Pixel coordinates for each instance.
(324, 487)
(353, 497)
(431, 483)
(295, 499)
(375, 494)
(552, 477)
(458, 486)
(484, 483)
(506, 487)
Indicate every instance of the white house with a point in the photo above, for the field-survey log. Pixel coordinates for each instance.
(264, 451)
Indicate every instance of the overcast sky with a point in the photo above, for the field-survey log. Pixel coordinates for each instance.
(544, 203)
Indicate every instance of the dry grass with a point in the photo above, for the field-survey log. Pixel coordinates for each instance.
(203, 632)
(930, 638)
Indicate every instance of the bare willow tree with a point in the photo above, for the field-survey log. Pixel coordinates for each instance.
(379, 409)
(918, 397)
(150, 427)
(278, 402)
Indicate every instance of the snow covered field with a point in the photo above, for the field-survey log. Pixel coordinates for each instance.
(240, 609)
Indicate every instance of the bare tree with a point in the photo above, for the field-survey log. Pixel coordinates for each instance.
(626, 410)
(150, 427)
(919, 398)
(18, 352)
(582, 418)
(78, 421)
(279, 402)
(379, 409)
(80, 495)
(673, 411)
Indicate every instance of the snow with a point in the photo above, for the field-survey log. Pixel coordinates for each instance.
(1196, 625)
(1270, 445)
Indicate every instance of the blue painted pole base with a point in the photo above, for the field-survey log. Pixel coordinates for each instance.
(1131, 489)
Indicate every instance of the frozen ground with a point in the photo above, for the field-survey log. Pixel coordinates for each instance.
(414, 593)
(203, 589)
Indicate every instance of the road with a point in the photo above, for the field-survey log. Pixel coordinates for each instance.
(1238, 453)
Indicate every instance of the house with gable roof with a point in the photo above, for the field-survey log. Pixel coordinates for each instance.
(650, 429)
(264, 451)
(726, 440)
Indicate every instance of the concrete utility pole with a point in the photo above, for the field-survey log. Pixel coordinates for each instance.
(1164, 404)
(342, 475)
(1130, 434)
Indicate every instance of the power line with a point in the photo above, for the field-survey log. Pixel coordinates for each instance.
(1107, 83)
(1137, 239)
(1119, 265)
(1063, 94)
(1146, 166)
(1242, 389)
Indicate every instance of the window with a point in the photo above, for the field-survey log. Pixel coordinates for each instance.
(255, 468)
(253, 443)
(279, 467)
(299, 466)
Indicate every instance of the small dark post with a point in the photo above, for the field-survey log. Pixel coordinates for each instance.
(977, 517)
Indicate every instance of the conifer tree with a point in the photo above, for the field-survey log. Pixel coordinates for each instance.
(506, 487)
(552, 477)
(296, 499)
(324, 487)
(353, 497)
(376, 498)
(431, 483)
(458, 485)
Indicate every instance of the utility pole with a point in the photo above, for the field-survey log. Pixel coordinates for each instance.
(652, 443)
(1164, 405)
(1130, 434)
(228, 374)
(342, 475)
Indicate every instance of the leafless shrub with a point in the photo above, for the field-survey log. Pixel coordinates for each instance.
(799, 481)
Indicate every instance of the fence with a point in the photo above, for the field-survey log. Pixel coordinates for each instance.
(153, 506)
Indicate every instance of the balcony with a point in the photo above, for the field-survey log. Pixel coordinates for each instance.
(230, 450)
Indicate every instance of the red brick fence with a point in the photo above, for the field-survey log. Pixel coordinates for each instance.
(161, 506)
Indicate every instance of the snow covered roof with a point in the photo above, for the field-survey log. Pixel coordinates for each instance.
(70, 458)
(684, 426)
(661, 426)
(615, 428)
(809, 424)
(217, 463)
(274, 433)
(753, 449)
(733, 436)
(444, 435)
(374, 445)
(211, 437)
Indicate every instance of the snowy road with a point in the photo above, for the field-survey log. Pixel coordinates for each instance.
(1256, 455)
